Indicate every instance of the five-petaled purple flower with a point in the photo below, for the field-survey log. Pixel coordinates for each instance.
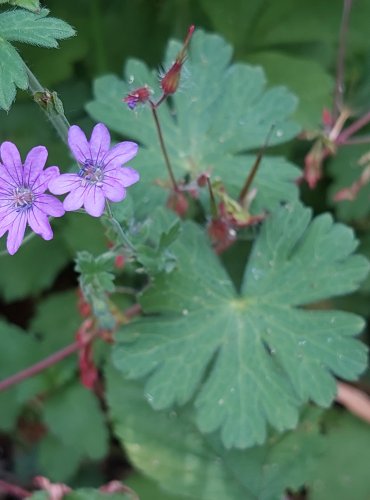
(101, 175)
(22, 194)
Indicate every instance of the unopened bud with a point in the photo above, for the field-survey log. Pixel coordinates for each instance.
(171, 79)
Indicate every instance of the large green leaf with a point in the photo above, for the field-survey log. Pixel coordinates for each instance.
(222, 111)
(307, 79)
(342, 472)
(167, 447)
(254, 358)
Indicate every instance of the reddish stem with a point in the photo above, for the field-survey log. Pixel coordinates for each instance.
(353, 128)
(12, 489)
(57, 356)
(162, 144)
(41, 365)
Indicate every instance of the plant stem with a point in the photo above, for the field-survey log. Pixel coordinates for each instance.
(40, 366)
(339, 81)
(120, 232)
(163, 146)
(58, 120)
(58, 356)
(353, 128)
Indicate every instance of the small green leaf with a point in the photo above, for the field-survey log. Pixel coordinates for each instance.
(35, 29)
(167, 447)
(12, 74)
(250, 359)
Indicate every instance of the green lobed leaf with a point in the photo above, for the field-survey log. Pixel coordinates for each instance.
(222, 111)
(307, 79)
(12, 74)
(342, 472)
(43, 261)
(33, 28)
(168, 448)
(251, 359)
(73, 416)
(57, 461)
(18, 351)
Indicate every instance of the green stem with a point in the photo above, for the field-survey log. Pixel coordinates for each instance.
(120, 232)
(162, 144)
(57, 119)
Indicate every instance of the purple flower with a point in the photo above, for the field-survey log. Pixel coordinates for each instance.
(22, 198)
(101, 175)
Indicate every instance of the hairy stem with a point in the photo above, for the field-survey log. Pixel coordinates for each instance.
(162, 144)
(117, 226)
(57, 119)
(339, 80)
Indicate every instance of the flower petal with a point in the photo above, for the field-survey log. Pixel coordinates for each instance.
(8, 218)
(64, 183)
(39, 223)
(99, 142)
(7, 179)
(94, 201)
(16, 233)
(3, 230)
(75, 199)
(42, 182)
(126, 175)
(113, 189)
(78, 144)
(34, 164)
(12, 160)
(121, 153)
(50, 205)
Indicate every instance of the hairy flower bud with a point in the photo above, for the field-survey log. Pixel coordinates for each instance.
(137, 96)
(171, 79)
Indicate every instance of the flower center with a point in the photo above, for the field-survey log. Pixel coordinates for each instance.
(23, 198)
(91, 172)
